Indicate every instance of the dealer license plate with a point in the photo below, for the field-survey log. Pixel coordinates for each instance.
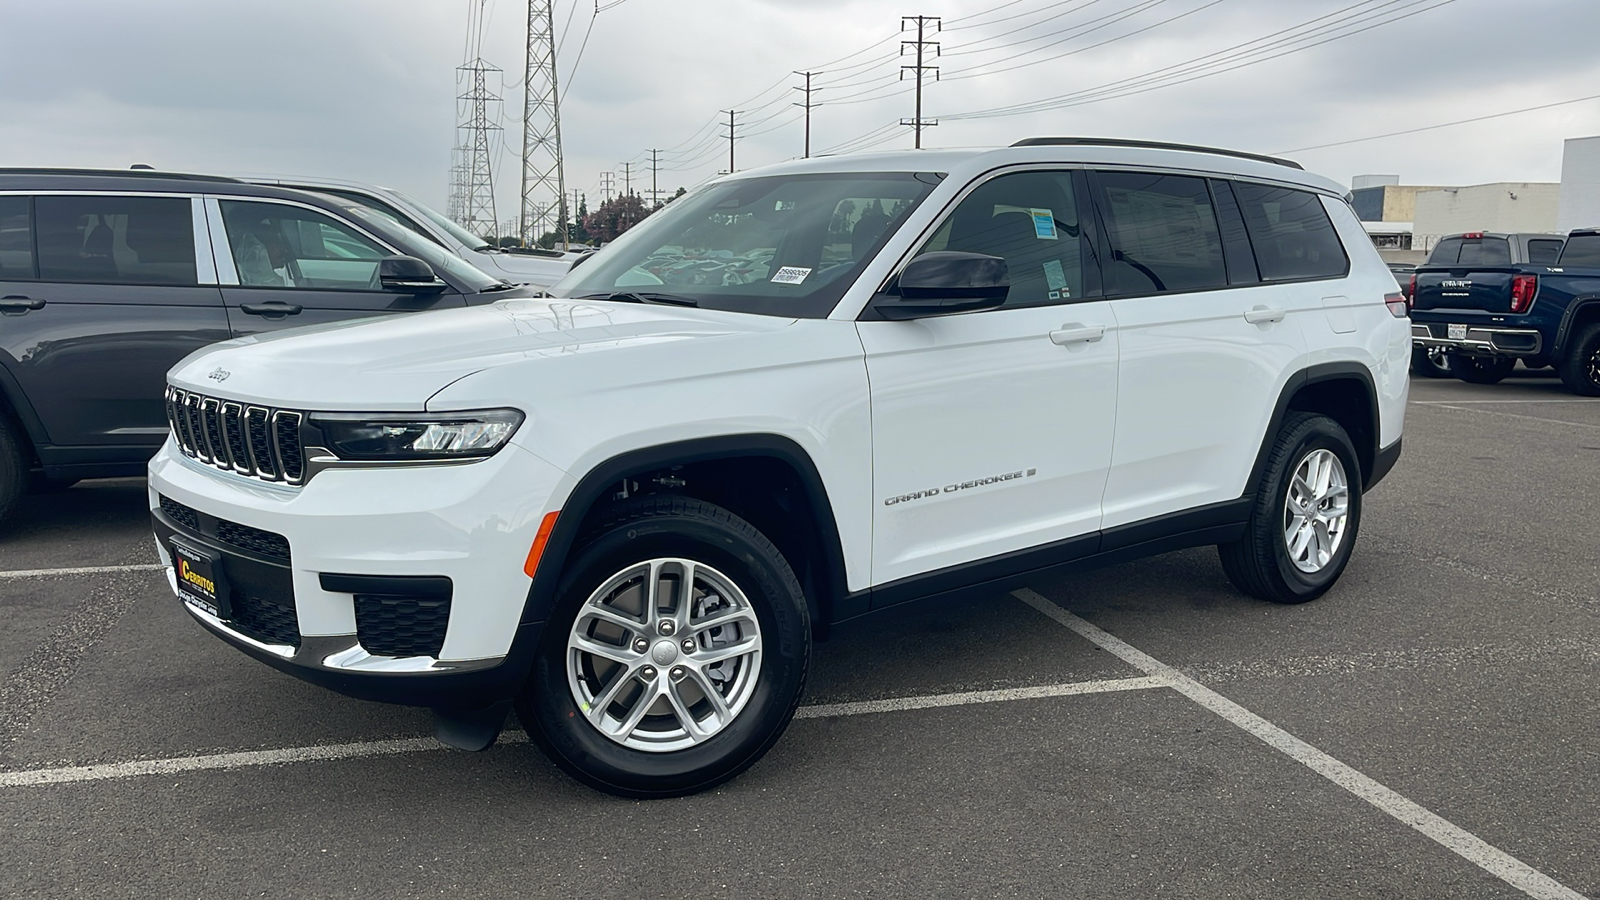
(199, 581)
(1456, 332)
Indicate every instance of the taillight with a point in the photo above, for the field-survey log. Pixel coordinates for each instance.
(1411, 293)
(1523, 287)
(1397, 305)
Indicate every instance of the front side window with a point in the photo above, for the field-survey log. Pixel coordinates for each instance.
(277, 245)
(1582, 251)
(16, 239)
(782, 245)
(110, 239)
(1291, 233)
(1163, 233)
(1029, 219)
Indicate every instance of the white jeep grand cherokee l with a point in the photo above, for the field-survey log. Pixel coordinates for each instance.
(797, 395)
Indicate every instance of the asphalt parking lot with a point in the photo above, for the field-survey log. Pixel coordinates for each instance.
(1427, 729)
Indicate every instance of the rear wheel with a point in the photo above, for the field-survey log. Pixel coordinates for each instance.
(1481, 369)
(13, 468)
(1305, 518)
(676, 655)
(1429, 362)
(1580, 369)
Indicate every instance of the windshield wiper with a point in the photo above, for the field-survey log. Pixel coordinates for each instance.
(637, 297)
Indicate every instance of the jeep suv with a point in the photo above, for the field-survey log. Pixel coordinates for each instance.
(108, 278)
(793, 397)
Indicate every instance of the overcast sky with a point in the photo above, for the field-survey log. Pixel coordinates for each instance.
(366, 89)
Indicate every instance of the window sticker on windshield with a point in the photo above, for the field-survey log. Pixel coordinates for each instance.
(1056, 279)
(1044, 224)
(791, 275)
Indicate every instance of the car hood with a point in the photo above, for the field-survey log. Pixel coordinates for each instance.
(523, 269)
(398, 362)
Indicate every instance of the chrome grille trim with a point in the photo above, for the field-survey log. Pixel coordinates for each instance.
(255, 441)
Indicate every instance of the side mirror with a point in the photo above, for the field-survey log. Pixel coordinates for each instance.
(409, 275)
(948, 281)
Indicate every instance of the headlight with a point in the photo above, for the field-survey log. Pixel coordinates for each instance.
(417, 436)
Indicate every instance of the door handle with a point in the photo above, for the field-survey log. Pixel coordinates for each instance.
(273, 308)
(1074, 333)
(18, 303)
(1260, 315)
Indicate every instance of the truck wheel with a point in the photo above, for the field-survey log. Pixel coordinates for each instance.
(676, 654)
(13, 468)
(1429, 362)
(1481, 370)
(1305, 518)
(1580, 369)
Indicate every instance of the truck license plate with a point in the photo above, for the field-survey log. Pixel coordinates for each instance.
(1456, 332)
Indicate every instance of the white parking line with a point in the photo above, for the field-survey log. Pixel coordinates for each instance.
(1452, 402)
(1470, 847)
(1496, 412)
(80, 570)
(250, 758)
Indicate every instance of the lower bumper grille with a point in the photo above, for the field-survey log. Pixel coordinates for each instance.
(401, 626)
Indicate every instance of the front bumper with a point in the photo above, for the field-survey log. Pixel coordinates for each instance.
(1480, 340)
(299, 560)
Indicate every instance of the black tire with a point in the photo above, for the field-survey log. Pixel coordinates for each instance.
(1260, 564)
(13, 467)
(645, 529)
(1428, 363)
(1580, 368)
(1481, 369)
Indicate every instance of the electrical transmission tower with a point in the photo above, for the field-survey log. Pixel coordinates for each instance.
(478, 213)
(456, 206)
(921, 45)
(807, 106)
(544, 184)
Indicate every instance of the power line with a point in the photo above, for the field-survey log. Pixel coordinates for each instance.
(1498, 115)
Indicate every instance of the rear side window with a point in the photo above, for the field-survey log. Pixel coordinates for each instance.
(1292, 235)
(16, 239)
(1446, 253)
(1485, 252)
(1582, 250)
(1544, 253)
(115, 240)
(1163, 233)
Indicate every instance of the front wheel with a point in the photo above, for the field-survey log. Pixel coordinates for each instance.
(1305, 518)
(676, 655)
(1580, 369)
(1481, 369)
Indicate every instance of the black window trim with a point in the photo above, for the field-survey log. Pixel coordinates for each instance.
(1092, 282)
(1345, 251)
(223, 247)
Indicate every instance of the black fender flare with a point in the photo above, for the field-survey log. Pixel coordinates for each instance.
(14, 404)
(1323, 372)
(592, 486)
(1564, 331)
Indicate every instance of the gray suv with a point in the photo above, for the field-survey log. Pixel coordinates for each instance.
(109, 278)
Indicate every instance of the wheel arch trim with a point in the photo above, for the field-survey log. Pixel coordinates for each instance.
(1576, 307)
(1319, 374)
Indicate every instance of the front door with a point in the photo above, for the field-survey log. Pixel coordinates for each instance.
(284, 266)
(992, 430)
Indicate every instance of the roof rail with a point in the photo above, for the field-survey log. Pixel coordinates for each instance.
(1151, 145)
(117, 173)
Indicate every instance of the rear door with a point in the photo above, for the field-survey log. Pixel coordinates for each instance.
(285, 265)
(101, 294)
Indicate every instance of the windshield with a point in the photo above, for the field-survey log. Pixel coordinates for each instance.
(441, 259)
(472, 241)
(784, 245)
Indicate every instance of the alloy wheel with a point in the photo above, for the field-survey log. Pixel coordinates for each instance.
(1315, 510)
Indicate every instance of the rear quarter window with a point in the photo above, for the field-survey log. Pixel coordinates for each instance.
(1293, 237)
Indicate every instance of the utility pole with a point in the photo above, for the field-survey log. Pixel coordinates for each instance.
(577, 207)
(607, 181)
(808, 106)
(731, 113)
(627, 179)
(478, 206)
(655, 168)
(921, 44)
(543, 176)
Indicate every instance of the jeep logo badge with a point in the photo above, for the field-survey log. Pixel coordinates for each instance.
(218, 374)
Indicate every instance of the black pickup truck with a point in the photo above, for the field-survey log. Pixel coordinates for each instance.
(1482, 303)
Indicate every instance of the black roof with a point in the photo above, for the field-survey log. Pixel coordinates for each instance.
(116, 173)
(1151, 145)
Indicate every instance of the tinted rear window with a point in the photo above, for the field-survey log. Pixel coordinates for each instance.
(1582, 250)
(16, 239)
(1544, 253)
(1446, 253)
(1164, 233)
(1291, 232)
(1485, 252)
(115, 240)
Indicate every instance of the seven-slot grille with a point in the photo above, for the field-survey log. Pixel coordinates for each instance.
(250, 440)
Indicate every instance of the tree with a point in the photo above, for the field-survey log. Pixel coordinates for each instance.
(614, 217)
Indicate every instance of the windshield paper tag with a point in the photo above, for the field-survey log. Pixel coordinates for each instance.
(1056, 278)
(1044, 224)
(791, 275)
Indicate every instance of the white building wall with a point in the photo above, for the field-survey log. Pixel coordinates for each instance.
(1507, 206)
(1580, 184)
